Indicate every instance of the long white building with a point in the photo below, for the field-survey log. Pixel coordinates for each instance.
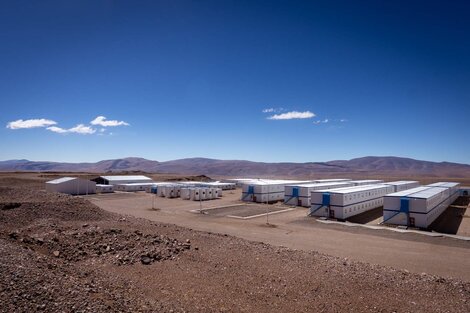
(453, 188)
(331, 180)
(239, 181)
(266, 190)
(421, 206)
(366, 182)
(71, 186)
(131, 187)
(104, 188)
(403, 184)
(299, 195)
(342, 203)
(122, 179)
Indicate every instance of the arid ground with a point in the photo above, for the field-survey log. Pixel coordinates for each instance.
(111, 253)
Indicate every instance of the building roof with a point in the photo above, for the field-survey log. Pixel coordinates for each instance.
(366, 181)
(428, 193)
(276, 182)
(444, 184)
(125, 177)
(331, 180)
(344, 190)
(401, 182)
(307, 185)
(60, 180)
(138, 184)
(408, 192)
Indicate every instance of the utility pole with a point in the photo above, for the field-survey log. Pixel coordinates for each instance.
(267, 208)
(200, 201)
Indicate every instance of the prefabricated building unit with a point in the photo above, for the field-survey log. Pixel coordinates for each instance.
(185, 193)
(366, 182)
(71, 186)
(217, 185)
(453, 189)
(104, 188)
(342, 203)
(200, 193)
(299, 195)
(266, 190)
(223, 186)
(132, 187)
(153, 188)
(420, 206)
(239, 181)
(122, 179)
(196, 193)
(171, 191)
(403, 185)
(331, 180)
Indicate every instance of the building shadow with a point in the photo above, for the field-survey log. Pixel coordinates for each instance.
(450, 220)
(367, 217)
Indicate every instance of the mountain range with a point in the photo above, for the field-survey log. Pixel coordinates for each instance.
(395, 166)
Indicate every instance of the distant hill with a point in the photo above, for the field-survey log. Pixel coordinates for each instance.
(198, 166)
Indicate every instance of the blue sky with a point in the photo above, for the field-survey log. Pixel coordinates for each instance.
(190, 79)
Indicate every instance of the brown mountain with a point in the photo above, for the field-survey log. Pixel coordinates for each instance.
(394, 166)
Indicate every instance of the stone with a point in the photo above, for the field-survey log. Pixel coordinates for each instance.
(145, 260)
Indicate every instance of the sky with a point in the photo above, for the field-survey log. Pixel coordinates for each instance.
(273, 81)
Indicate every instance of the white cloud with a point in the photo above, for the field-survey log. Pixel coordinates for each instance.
(272, 110)
(33, 123)
(79, 129)
(56, 129)
(82, 129)
(101, 120)
(343, 120)
(292, 115)
(321, 121)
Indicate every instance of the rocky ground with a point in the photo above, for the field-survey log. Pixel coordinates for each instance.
(62, 254)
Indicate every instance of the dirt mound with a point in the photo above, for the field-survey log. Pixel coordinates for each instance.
(20, 206)
(34, 283)
(111, 245)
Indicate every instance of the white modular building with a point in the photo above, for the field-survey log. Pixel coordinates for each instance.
(71, 186)
(420, 206)
(132, 187)
(239, 181)
(223, 186)
(104, 188)
(185, 193)
(122, 179)
(366, 182)
(171, 191)
(299, 195)
(153, 188)
(331, 180)
(453, 189)
(403, 184)
(342, 203)
(197, 194)
(266, 190)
